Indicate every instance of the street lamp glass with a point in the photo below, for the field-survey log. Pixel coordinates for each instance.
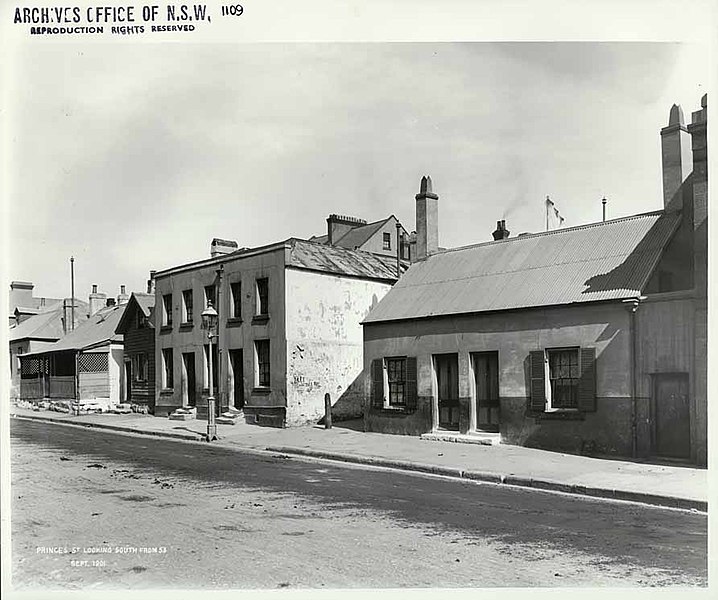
(209, 317)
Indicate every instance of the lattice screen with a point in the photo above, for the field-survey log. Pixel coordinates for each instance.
(29, 366)
(92, 363)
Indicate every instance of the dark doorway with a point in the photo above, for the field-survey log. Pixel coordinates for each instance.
(237, 365)
(486, 377)
(127, 395)
(189, 382)
(447, 383)
(671, 416)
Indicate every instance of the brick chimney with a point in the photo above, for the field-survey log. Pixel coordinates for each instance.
(676, 158)
(151, 282)
(220, 247)
(97, 300)
(697, 131)
(20, 294)
(338, 225)
(123, 296)
(501, 233)
(427, 220)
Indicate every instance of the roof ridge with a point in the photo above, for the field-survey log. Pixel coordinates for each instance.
(375, 224)
(526, 236)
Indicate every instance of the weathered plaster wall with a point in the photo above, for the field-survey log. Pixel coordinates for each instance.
(324, 342)
(514, 334)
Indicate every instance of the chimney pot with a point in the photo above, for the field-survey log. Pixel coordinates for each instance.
(122, 289)
(94, 288)
(501, 232)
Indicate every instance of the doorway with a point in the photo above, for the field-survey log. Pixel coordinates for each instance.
(189, 382)
(671, 416)
(127, 383)
(236, 366)
(486, 378)
(446, 367)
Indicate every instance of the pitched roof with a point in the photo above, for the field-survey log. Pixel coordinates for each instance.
(98, 329)
(304, 254)
(601, 261)
(142, 302)
(45, 326)
(356, 237)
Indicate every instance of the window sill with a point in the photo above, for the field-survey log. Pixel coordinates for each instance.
(561, 414)
(391, 411)
(261, 390)
(167, 391)
(234, 322)
(166, 329)
(186, 326)
(260, 319)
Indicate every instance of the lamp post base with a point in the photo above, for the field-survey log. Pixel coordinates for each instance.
(211, 425)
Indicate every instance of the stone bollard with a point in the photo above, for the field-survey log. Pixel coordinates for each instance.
(327, 411)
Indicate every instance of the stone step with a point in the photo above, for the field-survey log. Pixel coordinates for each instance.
(475, 437)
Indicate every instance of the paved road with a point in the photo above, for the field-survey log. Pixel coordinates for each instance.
(214, 518)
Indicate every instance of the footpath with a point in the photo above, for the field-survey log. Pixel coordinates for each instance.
(661, 485)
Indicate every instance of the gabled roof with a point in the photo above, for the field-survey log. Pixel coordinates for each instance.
(138, 301)
(45, 326)
(601, 261)
(314, 256)
(356, 237)
(97, 330)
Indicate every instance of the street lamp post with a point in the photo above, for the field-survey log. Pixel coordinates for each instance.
(209, 322)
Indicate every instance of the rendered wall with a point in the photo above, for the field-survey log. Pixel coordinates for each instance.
(514, 334)
(324, 343)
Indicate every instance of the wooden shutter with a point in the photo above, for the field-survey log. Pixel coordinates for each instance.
(587, 383)
(411, 388)
(538, 381)
(377, 383)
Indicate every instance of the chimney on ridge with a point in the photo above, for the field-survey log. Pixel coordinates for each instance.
(151, 282)
(501, 232)
(220, 247)
(122, 297)
(97, 300)
(676, 158)
(427, 220)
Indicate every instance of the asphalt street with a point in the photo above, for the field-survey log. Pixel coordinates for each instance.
(100, 509)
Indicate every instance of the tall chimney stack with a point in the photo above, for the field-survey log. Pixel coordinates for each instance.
(676, 158)
(501, 232)
(427, 220)
(122, 297)
(151, 282)
(97, 300)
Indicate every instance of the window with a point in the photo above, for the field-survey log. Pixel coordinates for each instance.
(210, 295)
(187, 308)
(261, 351)
(263, 296)
(387, 241)
(236, 291)
(168, 370)
(564, 375)
(139, 367)
(141, 320)
(167, 312)
(19, 364)
(396, 379)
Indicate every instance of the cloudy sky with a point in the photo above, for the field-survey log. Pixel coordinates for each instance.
(133, 157)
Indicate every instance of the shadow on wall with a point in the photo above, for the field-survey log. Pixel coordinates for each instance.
(350, 405)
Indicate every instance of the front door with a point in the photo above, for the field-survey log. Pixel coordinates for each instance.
(671, 415)
(126, 392)
(237, 367)
(190, 383)
(447, 383)
(486, 376)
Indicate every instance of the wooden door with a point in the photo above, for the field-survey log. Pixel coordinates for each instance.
(190, 382)
(236, 361)
(486, 377)
(671, 415)
(447, 383)
(127, 383)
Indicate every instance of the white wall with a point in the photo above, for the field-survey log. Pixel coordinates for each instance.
(324, 340)
(115, 371)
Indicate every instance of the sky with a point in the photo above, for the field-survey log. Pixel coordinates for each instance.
(133, 157)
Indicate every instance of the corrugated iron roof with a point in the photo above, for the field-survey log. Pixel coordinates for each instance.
(45, 326)
(304, 254)
(601, 261)
(98, 329)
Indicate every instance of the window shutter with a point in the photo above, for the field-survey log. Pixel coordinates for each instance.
(538, 381)
(377, 383)
(587, 383)
(411, 388)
